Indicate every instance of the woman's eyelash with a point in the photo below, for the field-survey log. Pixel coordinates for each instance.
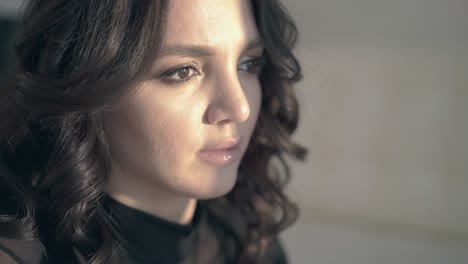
(180, 74)
(253, 65)
(184, 73)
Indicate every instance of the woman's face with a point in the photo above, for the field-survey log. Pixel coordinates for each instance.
(187, 128)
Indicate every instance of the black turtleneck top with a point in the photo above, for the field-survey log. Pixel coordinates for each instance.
(148, 239)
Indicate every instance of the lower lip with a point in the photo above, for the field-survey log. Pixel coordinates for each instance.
(221, 156)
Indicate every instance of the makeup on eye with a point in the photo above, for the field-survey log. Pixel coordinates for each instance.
(180, 73)
(185, 72)
(252, 64)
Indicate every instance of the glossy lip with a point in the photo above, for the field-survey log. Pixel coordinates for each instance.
(222, 152)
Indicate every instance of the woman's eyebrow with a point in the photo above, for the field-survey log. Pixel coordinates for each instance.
(255, 43)
(203, 51)
(186, 51)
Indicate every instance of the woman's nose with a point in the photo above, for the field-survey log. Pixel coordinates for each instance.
(229, 103)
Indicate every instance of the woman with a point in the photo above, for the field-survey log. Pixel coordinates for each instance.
(144, 131)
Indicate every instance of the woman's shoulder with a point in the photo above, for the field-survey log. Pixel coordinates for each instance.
(14, 251)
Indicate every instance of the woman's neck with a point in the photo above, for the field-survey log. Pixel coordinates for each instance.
(181, 213)
(152, 200)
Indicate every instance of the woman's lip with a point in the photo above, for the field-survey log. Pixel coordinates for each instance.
(222, 152)
(221, 156)
(223, 144)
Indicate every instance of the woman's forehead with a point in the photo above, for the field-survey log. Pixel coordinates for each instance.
(217, 24)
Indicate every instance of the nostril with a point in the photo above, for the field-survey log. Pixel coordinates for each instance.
(239, 108)
(235, 110)
(229, 103)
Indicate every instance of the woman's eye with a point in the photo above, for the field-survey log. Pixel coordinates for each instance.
(252, 65)
(182, 74)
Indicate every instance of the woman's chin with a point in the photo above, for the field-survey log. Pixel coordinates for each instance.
(218, 186)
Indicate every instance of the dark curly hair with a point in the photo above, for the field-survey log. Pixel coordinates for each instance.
(75, 60)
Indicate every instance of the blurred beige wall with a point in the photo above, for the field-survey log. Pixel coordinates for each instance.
(385, 118)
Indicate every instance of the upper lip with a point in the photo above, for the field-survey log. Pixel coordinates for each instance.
(225, 143)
